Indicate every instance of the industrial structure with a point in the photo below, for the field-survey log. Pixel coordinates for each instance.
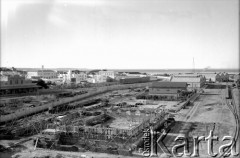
(210, 76)
(193, 80)
(222, 77)
(129, 80)
(167, 89)
(16, 84)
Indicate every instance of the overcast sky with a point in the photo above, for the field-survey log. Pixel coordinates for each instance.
(120, 34)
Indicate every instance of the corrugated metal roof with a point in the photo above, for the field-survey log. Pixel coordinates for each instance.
(187, 79)
(46, 71)
(169, 85)
(19, 86)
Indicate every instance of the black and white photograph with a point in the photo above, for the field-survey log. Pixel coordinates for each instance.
(119, 79)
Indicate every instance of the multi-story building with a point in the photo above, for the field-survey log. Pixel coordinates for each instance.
(106, 73)
(72, 76)
(16, 84)
(78, 76)
(90, 80)
(62, 75)
(100, 78)
(193, 80)
(44, 74)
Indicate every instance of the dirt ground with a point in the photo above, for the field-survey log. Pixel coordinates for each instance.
(209, 112)
(40, 153)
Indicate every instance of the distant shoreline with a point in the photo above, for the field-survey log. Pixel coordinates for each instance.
(145, 70)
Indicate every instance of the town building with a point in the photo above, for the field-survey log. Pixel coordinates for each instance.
(167, 89)
(12, 71)
(44, 74)
(16, 84)
(193, 80)
(222, 77)
(62, 75)
(107, 73)
(100, 76)
(210, 76)
(76, 76)
(72, 76)
(135, 74)
(236, 79)
(91, 79)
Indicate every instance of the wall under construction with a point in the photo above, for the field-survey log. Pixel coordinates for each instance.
(21, 113)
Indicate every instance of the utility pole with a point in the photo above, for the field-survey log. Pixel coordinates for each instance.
(42, 71)
(193, 66)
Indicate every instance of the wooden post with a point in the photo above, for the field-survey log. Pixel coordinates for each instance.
(35, 144)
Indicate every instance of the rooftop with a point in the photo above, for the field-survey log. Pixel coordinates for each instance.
(169, 85)
(19, 86)
(188, 75)
(41, 70)
(134, 73)
(46, 71)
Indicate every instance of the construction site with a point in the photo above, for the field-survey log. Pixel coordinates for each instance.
(110, 120)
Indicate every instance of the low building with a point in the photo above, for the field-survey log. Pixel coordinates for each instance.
(136, 74)
(16, 84)
(193, 80)
(222, 77)
(12, 71)
(236, 79)
(132, 80)
(210, 76)
(44, 74)
(172, 89)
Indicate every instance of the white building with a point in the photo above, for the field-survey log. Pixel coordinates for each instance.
(100, 78)
(135, 74)
(62, 75)
(91, 80)
(73, 76)
(106, 73)
(44, 74)
(79, 76)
